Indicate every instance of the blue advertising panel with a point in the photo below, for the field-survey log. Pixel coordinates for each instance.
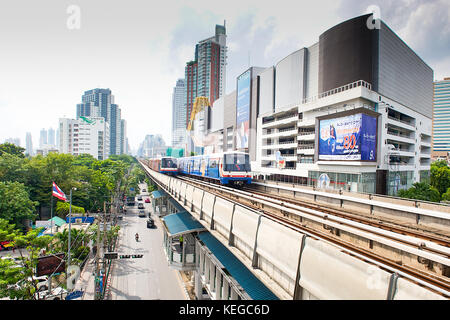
(243, 109)
(351, 137)
(369, 138)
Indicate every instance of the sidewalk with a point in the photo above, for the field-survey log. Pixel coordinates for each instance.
(86, 282)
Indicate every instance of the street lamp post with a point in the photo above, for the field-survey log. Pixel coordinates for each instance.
(70, 224)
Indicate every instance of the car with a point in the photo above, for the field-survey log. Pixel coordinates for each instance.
(140, 205)
(147, 200)
(41, 283)
(141, 213)
(57, 293)
(6, 245)
(150, 223)
(143, 190)
(139, 198)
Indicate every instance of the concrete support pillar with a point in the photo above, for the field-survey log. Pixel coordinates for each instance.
(217, 285)
(207, 263)
(201, 262)
(234, 295)
(225, 288)
(212, 281)
(197, 285)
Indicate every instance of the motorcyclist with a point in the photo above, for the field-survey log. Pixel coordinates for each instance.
(136, 236)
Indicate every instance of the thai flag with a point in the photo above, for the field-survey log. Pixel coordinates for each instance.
(57, 192)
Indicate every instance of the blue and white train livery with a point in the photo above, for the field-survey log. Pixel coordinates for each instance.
(231, 167)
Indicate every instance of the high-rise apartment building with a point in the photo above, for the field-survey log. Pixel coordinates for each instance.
(28, 144)
(178, 114)
(123, 137)
(205, 76)
(51, 137)
(100, 103)
(42, 138)
(85, 135)
(441, 119)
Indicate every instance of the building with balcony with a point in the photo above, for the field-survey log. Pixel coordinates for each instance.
(85, 135)
(356, 106)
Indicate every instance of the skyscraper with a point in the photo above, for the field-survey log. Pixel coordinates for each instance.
(100, 103)
(123, 136)
(42, 138)
(51, 137)
(28, 144)
(441, 118)
(178, 114)
(205, 76)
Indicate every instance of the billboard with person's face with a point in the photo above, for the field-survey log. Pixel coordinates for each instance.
(352, 137)
(243, 109)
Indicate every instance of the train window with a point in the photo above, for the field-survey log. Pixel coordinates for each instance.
(213, 163)
(237, 162)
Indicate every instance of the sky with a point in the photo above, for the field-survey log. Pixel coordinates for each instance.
(51, 51)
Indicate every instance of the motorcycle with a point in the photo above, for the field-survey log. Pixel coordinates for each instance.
(137, 237)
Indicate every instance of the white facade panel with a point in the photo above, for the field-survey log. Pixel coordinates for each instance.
(289, 80)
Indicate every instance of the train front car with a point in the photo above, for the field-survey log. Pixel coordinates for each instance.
(169, 166)
(235, 168)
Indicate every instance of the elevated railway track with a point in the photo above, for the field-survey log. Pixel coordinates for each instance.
(330, 223)
(402, 252)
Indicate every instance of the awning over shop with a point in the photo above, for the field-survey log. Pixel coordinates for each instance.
(181, 223)
(246, 279)
(158, 194)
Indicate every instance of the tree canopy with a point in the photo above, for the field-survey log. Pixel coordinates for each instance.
(438, 189)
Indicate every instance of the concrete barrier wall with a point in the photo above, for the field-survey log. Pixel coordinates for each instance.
(223, 211)
(407, 290)
(189, 194)
(197, 199)
(183, 191)
(279, 246)
(208, 206)
(328, 273)
(245, 223)
(176, 188)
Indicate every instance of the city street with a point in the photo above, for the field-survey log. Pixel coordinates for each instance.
(149, 277)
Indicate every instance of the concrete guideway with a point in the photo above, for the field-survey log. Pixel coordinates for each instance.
(289, 260)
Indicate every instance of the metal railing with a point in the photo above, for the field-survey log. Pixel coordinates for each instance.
(359, 83)
(398, 134)
(402, 121)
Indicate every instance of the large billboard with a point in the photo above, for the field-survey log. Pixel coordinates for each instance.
(352, 137)
(243, 109)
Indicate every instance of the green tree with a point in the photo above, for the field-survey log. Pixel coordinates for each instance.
(421, 191)
(62, 209)
(15, 204)
(12, 149)
(440, 176)
(11, 272)
(12, 168)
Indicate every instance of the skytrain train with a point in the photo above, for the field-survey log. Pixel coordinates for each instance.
(228, 168)
(166, 165)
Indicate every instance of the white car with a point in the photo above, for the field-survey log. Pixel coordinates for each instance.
(42, 283)
(57, 293)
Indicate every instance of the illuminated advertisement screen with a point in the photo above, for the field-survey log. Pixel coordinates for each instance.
(243, 110)
(351, 137)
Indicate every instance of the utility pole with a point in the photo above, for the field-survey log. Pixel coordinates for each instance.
(97, 271)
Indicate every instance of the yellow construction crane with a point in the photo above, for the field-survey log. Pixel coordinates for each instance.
(199, 103)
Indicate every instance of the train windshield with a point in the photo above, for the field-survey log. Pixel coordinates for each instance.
(237, 162)
(168, 163)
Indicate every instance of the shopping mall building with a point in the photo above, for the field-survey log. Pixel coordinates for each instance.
(352, 111)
